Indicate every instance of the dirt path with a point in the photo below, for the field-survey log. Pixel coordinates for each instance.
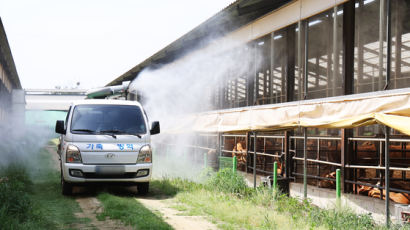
(174, 217)
(91, 207)
(54, 155)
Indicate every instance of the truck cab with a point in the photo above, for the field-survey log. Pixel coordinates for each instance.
(104, 141)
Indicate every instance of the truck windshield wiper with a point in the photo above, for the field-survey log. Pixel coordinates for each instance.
(84, 130)
(132, 134)
(110, 132)
(118, 132)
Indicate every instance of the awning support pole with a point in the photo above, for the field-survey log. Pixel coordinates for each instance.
(305, 163)
(387, 174)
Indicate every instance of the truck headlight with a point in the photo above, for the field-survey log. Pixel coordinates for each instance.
(145, 154)
(73, 154)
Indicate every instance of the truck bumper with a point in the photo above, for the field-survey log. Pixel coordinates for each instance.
(80, 173)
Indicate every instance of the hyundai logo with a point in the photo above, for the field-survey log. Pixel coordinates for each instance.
(109, 155)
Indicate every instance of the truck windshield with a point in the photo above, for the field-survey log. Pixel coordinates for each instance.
(103, 119)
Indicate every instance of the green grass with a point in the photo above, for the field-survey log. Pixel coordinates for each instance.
(130, 212)
(30, 196)
(15, 203)
(167, 187)
(227, 201)
(56, 209)
(54, 141)
(232, 212)
(228, 182)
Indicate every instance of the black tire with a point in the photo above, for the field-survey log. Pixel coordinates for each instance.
(143, 188)
(66, 188)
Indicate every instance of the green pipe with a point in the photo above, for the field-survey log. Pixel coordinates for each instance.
(275, 175)
(235, 162)
(338, 193)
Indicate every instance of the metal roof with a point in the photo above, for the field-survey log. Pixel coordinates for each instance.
(57, 91)
(6, 58)
(52, 99)
(105, 102)
(237, 14)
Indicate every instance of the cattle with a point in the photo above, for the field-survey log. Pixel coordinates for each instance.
(240, 154)
(401, 198)
(368, 153)
(364, 153)
(328, 183)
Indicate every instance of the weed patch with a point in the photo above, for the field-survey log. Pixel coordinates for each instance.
(130, 212)
(164, 187)
(27, 203)
(15, 203)
(226, 200)
(229, 182)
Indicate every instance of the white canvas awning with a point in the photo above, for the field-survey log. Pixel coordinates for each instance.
(390, 108)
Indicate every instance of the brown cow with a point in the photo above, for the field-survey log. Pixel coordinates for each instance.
(368, 153)
(279, 169)
(364, 190)
(401, 198)
(328, 183)
(240, 154)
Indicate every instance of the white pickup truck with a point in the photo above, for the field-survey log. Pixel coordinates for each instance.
(105, 141)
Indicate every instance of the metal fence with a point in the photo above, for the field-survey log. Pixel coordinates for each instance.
(312, 157)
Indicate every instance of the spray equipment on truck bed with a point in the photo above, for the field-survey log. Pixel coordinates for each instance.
(109, 91)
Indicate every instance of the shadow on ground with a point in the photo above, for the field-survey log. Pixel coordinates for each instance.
(159, 189)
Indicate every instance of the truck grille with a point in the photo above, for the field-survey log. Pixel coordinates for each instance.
(110, 176)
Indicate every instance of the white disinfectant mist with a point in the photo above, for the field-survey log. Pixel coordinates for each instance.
(186, 86)
(22, 143)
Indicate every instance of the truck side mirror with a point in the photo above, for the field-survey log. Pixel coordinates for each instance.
(155, 129)
(60, 127)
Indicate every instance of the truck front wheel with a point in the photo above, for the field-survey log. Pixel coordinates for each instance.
(66, 188)
(143, 188)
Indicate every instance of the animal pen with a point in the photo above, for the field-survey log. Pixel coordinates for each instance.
(363, 135)
(315, 86)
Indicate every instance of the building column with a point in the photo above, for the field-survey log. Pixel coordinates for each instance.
(348, 46)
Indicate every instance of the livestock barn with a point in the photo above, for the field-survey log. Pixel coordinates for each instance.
(11, 93)
(315, 85)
